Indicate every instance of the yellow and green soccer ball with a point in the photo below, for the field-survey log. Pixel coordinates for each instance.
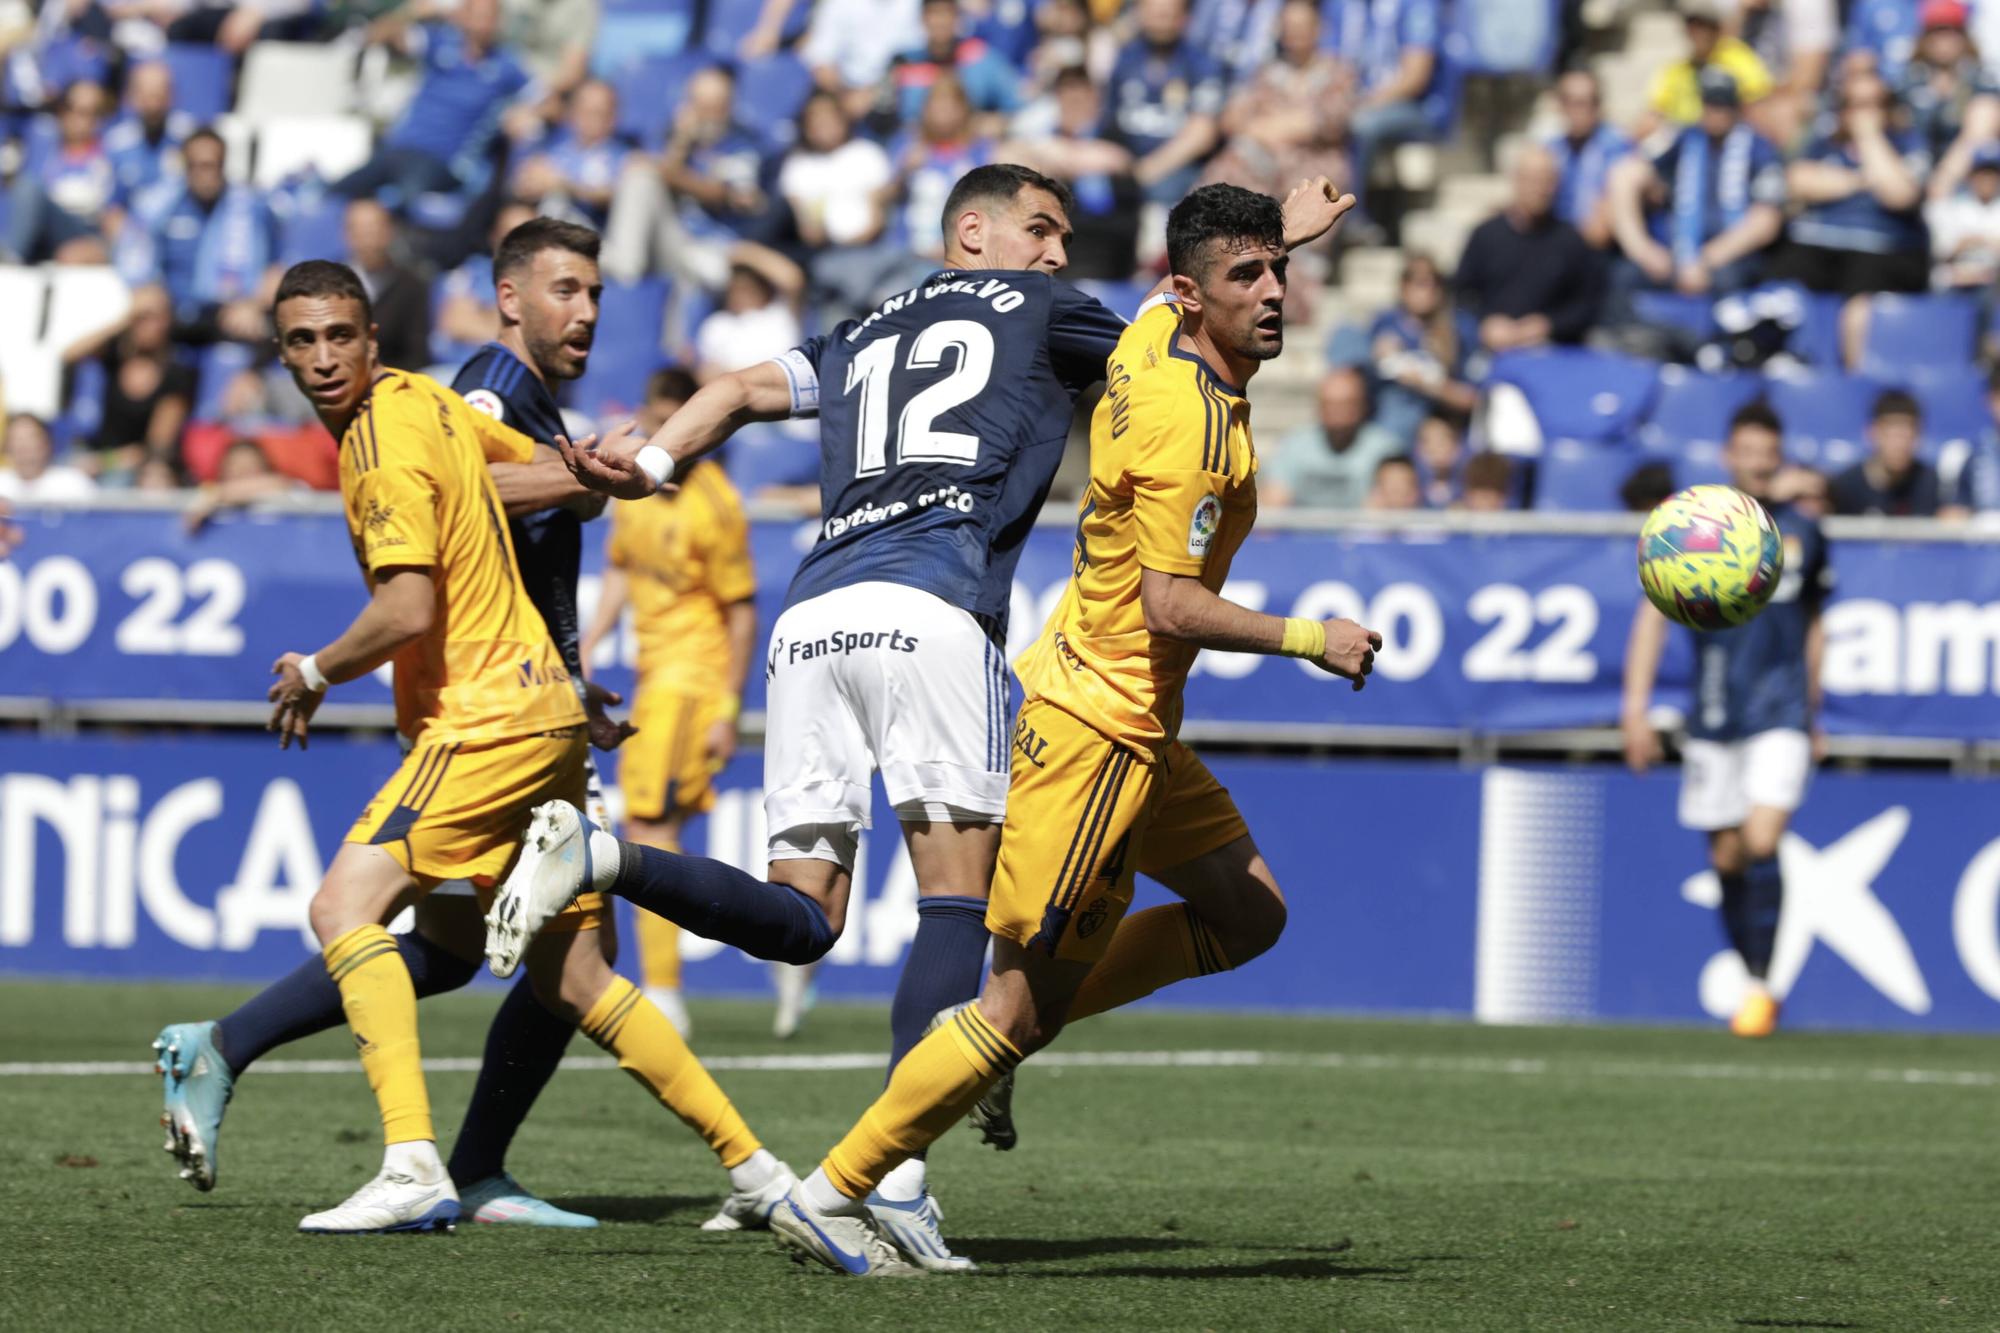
(1710, 557)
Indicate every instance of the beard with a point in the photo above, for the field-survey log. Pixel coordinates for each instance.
(554, 357)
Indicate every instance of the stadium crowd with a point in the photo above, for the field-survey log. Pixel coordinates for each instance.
(1808, 210)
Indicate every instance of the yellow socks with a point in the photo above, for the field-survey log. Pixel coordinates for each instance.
(628, 1025)
(929, 1092)
(1151, 949)
(659, 952)
(381, 1005)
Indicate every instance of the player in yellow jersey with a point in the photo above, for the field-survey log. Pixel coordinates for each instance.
(681, 561)
(494, 725)
(1101, 788)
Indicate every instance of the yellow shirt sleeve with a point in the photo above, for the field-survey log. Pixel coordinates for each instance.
(1753, 80)
(397, 508)
(499, 442)
(1664, 96)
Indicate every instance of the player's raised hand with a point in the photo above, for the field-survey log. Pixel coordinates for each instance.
(609, 465)
(605, 732)
(293, 702)
(1312, 209)
(1350, 651)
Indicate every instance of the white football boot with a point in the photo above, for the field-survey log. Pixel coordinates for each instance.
(554, 866)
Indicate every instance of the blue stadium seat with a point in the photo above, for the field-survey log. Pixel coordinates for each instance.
(1692, 407)
(1817, 339)
(1908, 335)
(766, 454)
(84, 412)
(1691, 315)
(1825, 414)
(202, 78)
(313, 231)
(1579, 394)
(1583, 476)
(649, 91)
(1954, 404)
(626, 350)
(769, 94)
(630, 30)
(728, 24)
(216, 365)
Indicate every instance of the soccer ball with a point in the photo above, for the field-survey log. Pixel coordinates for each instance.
(1710, 557)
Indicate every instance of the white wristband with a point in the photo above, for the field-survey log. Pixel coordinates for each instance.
(656, 463)
(316, 680)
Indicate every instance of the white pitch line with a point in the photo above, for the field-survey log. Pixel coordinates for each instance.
(1413, 1064)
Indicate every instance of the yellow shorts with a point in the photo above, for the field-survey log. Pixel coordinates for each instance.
(1084, 814)
(663, 770)
(457, 811)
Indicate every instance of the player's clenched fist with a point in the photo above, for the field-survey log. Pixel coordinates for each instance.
(1350, 651)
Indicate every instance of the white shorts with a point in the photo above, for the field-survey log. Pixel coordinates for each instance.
(1722, 780)
(879, 676)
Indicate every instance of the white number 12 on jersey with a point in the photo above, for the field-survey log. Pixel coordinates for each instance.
(916, 441)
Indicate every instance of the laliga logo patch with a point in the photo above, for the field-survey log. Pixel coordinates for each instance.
(487, 401)
(1201, 528)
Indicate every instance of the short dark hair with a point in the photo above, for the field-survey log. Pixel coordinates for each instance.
(519, 247)
(1758, 415)
(998, 183)
(322, 277)
(1069, 75)
(1488, 471)
(1895, 403)
(671, 382)
(1648, 484)
(206, 134)
(1226, 213)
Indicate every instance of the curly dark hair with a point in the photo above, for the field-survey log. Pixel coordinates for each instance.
(323, 277)
(1227, 213)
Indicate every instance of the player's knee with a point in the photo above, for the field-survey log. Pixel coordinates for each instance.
(1759, 845)
(1251, 931)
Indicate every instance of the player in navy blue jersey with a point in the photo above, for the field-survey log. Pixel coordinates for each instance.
(1752, 733)
(547, 286)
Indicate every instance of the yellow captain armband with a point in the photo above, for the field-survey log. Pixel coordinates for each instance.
(1304, 638)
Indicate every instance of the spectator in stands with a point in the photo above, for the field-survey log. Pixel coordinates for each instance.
(1717, 193)
(1965, 228)
(1104, 243)
(1795, 40)
(1489, 483)
(68, 43)
(1678, 96)
(713, 167)
(145, 143)
(851, 44)
(147, 391)
(31, 474)
(1289, 120)
(1882, 31)
(1067, 38)
(1976, 485)
(1440, 460)
(1527, 275)
(64, 203)
(1861, 228)
(944, 144)
(468, 309)
(574, 171)
(554, 38)
(989, 84)
(1395, 485)
(835, 184)
(1585, 152)
(759, 315)
(1892, 480)
(468, 83)
(244, 477)
(157, 473)
(401, 297)
(1646, 486)
(1330, 465)
(1394, 50)
(234, 24)
(1415, 352)
(1165, 96)
(1954, 104)
(208, 242)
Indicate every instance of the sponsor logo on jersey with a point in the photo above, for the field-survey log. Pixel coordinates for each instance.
(487, 401)
(1091, 918)
(1029, 744)
(1202, 527)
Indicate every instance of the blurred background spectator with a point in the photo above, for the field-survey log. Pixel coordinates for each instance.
(1331, 465)
(147, 391)
(1527, 275)
(1891, 480)
(32, 473)
(1416, 352)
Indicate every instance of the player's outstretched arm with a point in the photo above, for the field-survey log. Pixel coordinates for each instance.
(545, 482)
(1312, 210)
(1179, 606)
(400, 610)
(620, 465)
(1642, 667)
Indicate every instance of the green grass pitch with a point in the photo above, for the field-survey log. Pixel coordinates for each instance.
(1363, 1175)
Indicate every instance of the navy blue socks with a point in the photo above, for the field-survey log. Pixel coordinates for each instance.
(774, 922)
(1763, 900)
(523, 1047)
(947, 961)
(305, 1000)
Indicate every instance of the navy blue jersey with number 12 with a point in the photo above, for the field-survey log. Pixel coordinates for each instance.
(943, 416)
